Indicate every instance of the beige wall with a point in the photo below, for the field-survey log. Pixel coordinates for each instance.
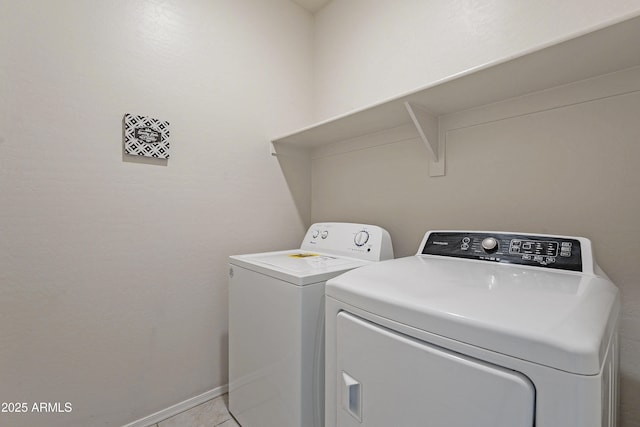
(366, 51)
(113, 276)
(567, 164)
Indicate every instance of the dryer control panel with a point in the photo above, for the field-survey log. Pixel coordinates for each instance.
(557, 252)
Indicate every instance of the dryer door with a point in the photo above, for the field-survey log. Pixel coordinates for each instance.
(388, 379)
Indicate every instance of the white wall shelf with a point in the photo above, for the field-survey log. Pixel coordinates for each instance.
(604, 50)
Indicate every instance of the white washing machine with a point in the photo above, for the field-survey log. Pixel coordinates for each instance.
(276, 323)
(480, 329)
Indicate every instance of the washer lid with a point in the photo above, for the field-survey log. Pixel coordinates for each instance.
(554, 318)
(297, 266)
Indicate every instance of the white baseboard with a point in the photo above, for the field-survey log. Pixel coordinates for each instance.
(178, 407)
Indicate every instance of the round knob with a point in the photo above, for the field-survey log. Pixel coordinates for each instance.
(324, 234)
(361, 238)
(315, 234)
(490, 244)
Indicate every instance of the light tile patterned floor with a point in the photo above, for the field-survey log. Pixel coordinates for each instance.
(213, 413)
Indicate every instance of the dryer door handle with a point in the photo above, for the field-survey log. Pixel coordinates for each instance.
(352, 396)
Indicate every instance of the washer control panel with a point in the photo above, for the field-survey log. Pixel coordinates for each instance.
(541, 251)
(361, 241)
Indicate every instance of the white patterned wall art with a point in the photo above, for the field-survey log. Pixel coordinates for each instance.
(146, 136)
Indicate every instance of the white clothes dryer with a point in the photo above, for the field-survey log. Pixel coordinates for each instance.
(483, 329)
(276, 323)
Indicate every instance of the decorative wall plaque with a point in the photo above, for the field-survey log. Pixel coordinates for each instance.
(146, 136)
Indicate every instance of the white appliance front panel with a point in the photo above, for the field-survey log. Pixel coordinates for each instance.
(275, 350)
(554, 318)
(388, 379)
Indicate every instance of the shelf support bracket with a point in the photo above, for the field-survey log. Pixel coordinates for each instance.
(428, 129)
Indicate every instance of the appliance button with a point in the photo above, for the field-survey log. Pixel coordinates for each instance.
(490, 245)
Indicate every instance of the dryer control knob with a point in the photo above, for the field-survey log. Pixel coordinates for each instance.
(490, 244)
(361, 238)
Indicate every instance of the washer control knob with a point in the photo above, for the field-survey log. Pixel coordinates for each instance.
(324, 234)
(490, 245)
(315, 234)
(361, 238)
